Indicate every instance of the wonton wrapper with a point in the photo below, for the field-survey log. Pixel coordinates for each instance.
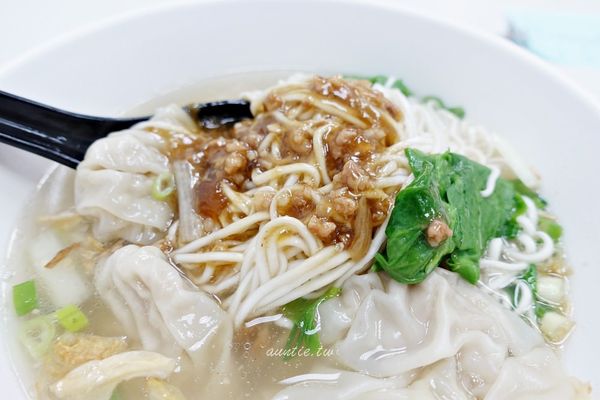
(113, 184)
(156, 305)
(431, 341)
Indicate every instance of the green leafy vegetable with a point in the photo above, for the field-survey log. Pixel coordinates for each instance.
(399, 84)
(409, 258)
(466, 264)
(445, 192)
(512, 227)
(530, 276)
(304, 314)
(551, 227)
(458, 111)
(525, 190)
(540, 308)
(380, 79)
(116, 395)
(25, 297)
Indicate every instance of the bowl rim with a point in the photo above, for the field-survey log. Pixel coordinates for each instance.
(500, 43)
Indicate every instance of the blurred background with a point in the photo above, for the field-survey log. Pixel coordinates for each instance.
(563, 32)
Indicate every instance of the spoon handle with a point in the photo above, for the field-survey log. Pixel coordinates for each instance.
(52, 133)
(64, 136)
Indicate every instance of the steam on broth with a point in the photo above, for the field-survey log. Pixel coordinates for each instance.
(351, 241)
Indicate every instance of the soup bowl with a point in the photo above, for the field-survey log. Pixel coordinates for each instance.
(137, 61)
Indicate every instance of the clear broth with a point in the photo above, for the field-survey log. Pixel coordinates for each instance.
(255, 374)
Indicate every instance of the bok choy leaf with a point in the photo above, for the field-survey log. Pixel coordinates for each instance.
(446, 192)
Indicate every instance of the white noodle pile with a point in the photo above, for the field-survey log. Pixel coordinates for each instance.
(285, 261)
(506, 261)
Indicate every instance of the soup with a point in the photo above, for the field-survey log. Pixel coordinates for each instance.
(352, 240)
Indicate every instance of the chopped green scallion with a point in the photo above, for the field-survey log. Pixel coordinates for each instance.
(25, 297)
(37, 335)
(164, 186)
(72, 318)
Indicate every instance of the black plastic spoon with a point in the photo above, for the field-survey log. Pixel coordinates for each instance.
(64, 137)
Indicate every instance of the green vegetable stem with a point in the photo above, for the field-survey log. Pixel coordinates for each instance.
(304, 314)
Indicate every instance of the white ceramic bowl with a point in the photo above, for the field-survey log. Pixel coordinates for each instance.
(116, 65)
